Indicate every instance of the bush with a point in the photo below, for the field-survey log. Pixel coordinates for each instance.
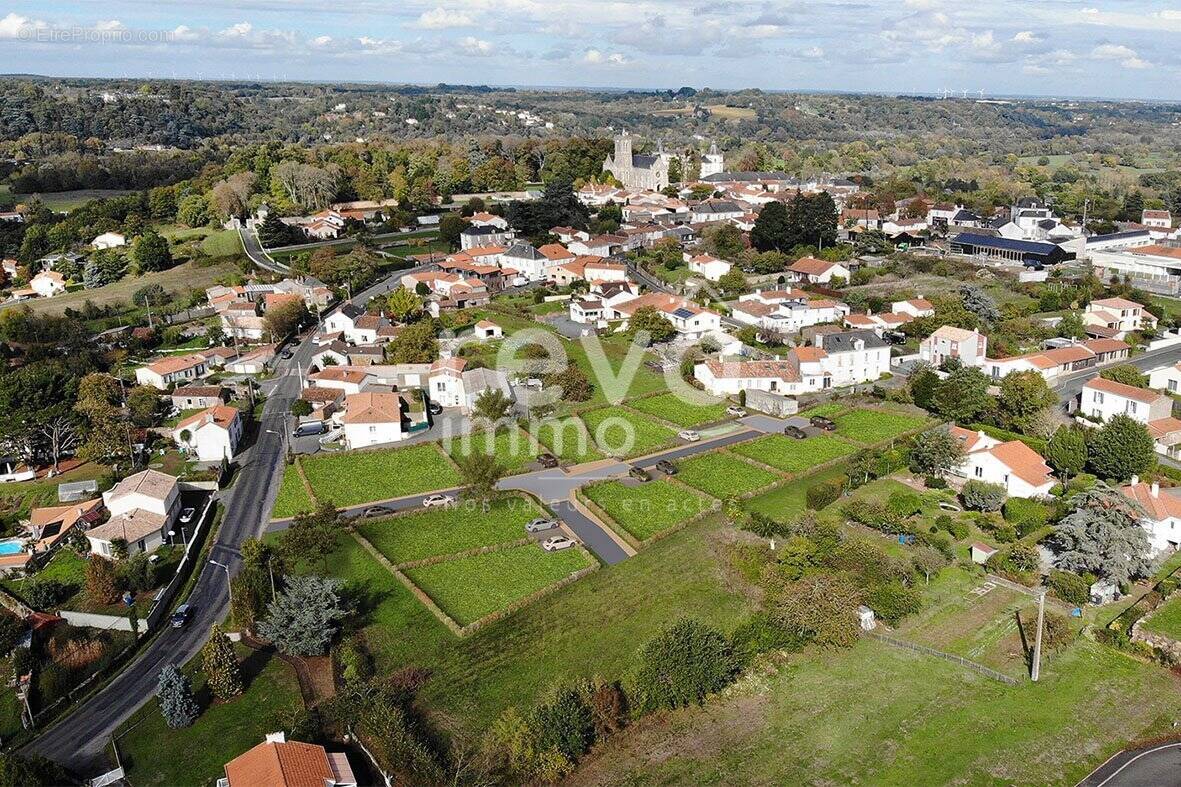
(873, 514)
(957, 529)
(893, 601)
(904, 503)
(941, 542)
(1069, 587)
(761, 633)
(683, 664)
(981, 496)
(565, 723)
(1056, 632)
(45, 594)
(1027, 515)
(935, 482)
(825, 493)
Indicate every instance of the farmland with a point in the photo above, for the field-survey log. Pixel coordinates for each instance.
(794, 456)
(446, 531)
(721, 474)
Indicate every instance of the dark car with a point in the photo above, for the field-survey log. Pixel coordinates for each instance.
(794, 432)
(286, 354)
(894, 337)
(547, 460)
(640, 474)
(820, 422)
(666, 467)
(435, 408)
(180, 618)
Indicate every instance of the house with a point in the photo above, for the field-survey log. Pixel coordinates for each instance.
(915, 307)
(484, 235)
(716, 210)
(325, 225)
(343, 320)
(484, 219)
(324, 402)
(814, 271)
(165, 372)
(218, 357)
(1012, 465)
(568, 234)
(591, 268)
(194, 397)
(708, 266)
(878, 323)
(13, 469)
(257, 361)
(210, 435)
(784, 312)
(109, 240)
(1157, 218)
(1162, 508)
(527, 261)
(1155, 268)
(949, 341)
(690, 320)
(486, 329)
(1166, 378)
(860, 219)
(1108, 350)
(1050, 364)
(48, 525)
(342, 378)
(1116, 317)
(587, 311)
(277, 762)
(48, 283)
(143, 507)
(334, 353)
(1103, 399)
(372, 418)
(599, 245)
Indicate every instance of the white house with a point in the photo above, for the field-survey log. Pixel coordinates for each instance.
(211, 434)
(484, 235)
(1117, 317)
(1163, 510)
(484, 219)
(342, 378)
(1156, 218)
(814, 271)
(164, 372)
(708, 266)
(343, 320)
(1166, 378)
(948, 341)
(372, 418)
(109, 240)
(786, 311)
(486, 329)
(915, 307)
(48, 283)
(690, 320)
(1103, 399)
(1050, 364)
(1013, 464)
(143, 507)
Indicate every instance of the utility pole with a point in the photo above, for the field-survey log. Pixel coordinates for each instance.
(1037, 643)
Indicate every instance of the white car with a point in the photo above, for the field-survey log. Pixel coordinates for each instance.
(735, 411)
(438, 500)
(538, 525)
(186, 515)
(554, 543)
(690, 435)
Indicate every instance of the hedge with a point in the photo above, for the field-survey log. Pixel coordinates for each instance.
(825, 493)
(1026, 515)
(1069, 587)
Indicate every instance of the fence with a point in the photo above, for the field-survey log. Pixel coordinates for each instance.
(987, 672)
(163, 601)
(188, 315)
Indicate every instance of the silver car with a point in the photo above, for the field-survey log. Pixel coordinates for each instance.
(438, 500)
(555, 543)
(540, 524)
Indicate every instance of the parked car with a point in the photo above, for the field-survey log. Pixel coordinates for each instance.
(689, 434)
(438, 500)
(736, 411)
(666, 467)
(186, 515)
(286, 355)
(547, 460)
(640, 474)
(794, 432)
(820, 422)
(894, 337)
(540, 524)
(435, 408)
(309, 429)
(375, 511)
(554, 543)
(180, 618)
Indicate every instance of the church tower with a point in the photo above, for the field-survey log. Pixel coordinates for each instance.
(712, 163)
(623, 153)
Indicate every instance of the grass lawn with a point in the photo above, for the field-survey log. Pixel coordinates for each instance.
(469, 588)
(22, 496)
(222, 243)
(794, 456)
(1166, 619)
(874, 426)
(787, 502)
(635, 436)
(511, 447)
(602, 361)
(646, 509)
(670, 407)
(879, 715)
(723, 475)
(66, 201)
(356, 477)
(153, 754)
(828, 410)
(293, 496)
(446, 531)
(568, 440)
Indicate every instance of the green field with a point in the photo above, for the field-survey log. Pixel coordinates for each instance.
(722, 475)
(672, 408)
(604, 370)
(786, 502)
(635, 436)
(292, 497)
(828, 410)
(874, 426)
(446, 531)
(794, 456)
(1166, 619)
(66, 201)
(568, 440)
(511, 447)
(647, 509)
(469, 588)
(355, 477)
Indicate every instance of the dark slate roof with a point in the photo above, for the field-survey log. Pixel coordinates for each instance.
(351, 311)
(745, 177)
(1047, 224)
(965, 215)
(643, 162)
(1029, 202)
(1129, 234)
(524, 251)
(716, 206)
(1026, 246)
(843, 342)
(483, 230)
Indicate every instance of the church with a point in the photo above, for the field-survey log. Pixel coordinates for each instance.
(637, 173)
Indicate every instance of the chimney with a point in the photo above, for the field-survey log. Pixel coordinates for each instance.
(1135, 480)
(818, 340)
(276, 737)
(1155, 489)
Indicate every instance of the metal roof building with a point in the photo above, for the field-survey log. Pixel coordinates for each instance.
(1019, 251)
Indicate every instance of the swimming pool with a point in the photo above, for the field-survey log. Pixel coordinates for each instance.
(10, 546)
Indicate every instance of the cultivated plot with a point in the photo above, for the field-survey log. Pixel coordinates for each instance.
(645, 510)
(355, 477)
(794, 456)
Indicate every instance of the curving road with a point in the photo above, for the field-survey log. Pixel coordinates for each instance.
(1156, 766)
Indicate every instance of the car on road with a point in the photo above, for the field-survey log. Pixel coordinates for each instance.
(666, 467)
(689, 434)
(820, 422)
(375, 511)
(554, 543)
(735, 411)
(547, 460)
(639, 473)
(180, 618)
(430, 501)
(286, 354)
(435, 408)
(794, 432)
(186, 515)
(540, 524)
(309, 429)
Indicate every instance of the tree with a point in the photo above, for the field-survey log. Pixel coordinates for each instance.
(150, 252)
(284, 319)
(963, 396)
(301, 408)
(403, 303)
(416, 343)
(936, 453)
(682, 665)
(980, 303)
(822, 607)
(492, 405)
(564, 723)
(647, 319)
(220, 663)
(143, 403)
(1126, 374)
(1102, 533)
(1071, 326)
(574, 384)
(983, 496)
(1067, 452)
(450, 227)
(724, 240)
(101, 587)
(17, 771)
(733, 282)
(480, 473)
(312, 535)
(1023, 395)
(1121, 449)
(303, 619)
(772, 230)
(175, 696)
(923, 384)
(60, 436)
(193, 211)
(104, 267)
(273, 232)
(98, 403)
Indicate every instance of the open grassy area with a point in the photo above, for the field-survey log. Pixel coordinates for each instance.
(469, 588)
(828, 410)
(154, 754)
(511, 448)
(66, 201)
(874, 426)
(672, 408)
(602, 361)
(20, 497)
(622, 432)
(794, 456)
(646, 509)
(785, 503)
(446, 531)
(1166, 619)
(568, 440)
(292, 497)
(356, 477)
(723, 475)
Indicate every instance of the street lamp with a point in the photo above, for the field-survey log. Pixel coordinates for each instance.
(229, 587)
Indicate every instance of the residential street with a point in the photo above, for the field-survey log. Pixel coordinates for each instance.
(1071, 386)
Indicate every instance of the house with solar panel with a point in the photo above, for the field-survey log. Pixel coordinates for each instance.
(690, 320)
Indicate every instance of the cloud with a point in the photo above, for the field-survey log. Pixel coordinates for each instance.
(1027, 37)
(598, 57)
(17, 26)
(440, 18)
(477, 47)
(1127, 57)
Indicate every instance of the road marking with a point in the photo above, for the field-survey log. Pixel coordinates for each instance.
(1129, 762)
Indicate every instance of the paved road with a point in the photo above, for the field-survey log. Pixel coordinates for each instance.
(1157, 766)
(258, 255)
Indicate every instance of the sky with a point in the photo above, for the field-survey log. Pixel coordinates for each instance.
(1107, 48)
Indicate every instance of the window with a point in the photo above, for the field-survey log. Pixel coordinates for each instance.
(372, 428)
(1098, 397)
(1173, 386)
(979, 472)
(1131, 408)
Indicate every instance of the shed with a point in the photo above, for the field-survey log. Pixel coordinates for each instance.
(865, 617)
(76, 490)
(982, 552)
(1104, 592)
